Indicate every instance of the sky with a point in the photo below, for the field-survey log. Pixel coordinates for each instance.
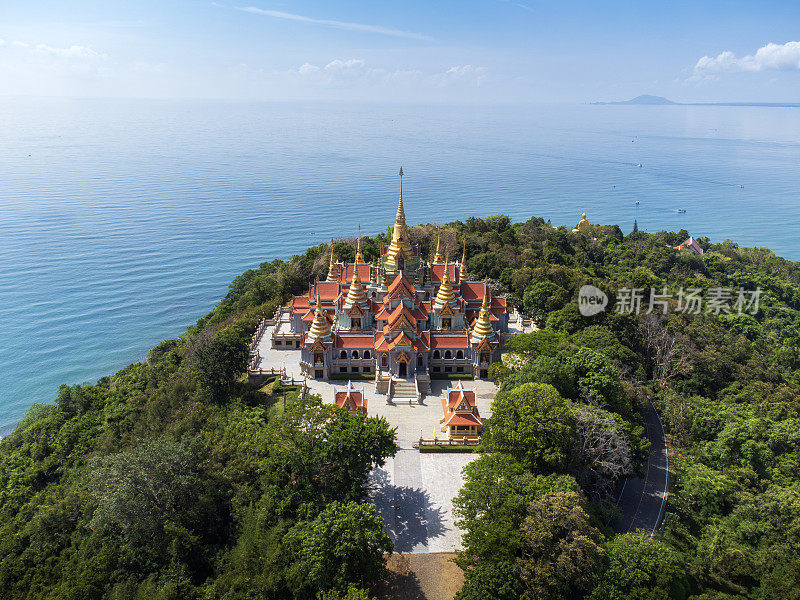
(486, 51)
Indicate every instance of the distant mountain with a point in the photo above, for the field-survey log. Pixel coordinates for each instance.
(643, 99)
(648, 100)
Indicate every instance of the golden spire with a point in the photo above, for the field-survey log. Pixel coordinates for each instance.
(320, 328)
(333, 268)
(357, 293)
(462, 271)
(445, 295)
(359, 256)
(399, 247)
(483, 326)
(438, 258)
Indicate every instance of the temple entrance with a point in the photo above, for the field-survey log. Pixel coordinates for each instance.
(401, 369)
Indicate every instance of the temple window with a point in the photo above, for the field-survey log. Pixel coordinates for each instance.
(459, 354)
(354, 370)
(484, 357)
(419, 360)
(342, 369)
(436, 354)
(448, 354)
(366, 354)
(355, 354)
(343, 354)
(367, 369)
(384, 361)
(355, 323)
(446, 323)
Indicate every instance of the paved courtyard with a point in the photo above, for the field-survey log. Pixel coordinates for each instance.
(413, 492)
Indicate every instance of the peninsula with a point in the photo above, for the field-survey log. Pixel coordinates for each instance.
(336, 439)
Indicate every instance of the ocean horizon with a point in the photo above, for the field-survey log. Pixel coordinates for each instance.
(123, 221)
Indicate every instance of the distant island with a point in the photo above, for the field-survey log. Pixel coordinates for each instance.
(650, 100)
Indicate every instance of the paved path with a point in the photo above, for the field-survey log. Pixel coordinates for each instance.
(643, 498)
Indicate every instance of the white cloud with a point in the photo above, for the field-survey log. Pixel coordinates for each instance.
(73, 52)
(18, 44)
(771, 57)
(464, 74)
(332, 23)
(345, 65)
(307, 69)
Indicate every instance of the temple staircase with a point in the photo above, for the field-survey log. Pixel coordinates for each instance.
(404, 390)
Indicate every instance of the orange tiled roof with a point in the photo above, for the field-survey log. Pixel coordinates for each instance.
(449, 341)
(363, 272)
(402, 310)
(471, 290)
(401, 287)
(355, 341)
(351, 399)
(325, 290)
(437, 271)
(463, 419)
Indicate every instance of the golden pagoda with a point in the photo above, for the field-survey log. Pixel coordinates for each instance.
(445, 295)
(438, 258)
(357, 293)
(399, 248)
(359, 256)
(333, 268)
(462, 271)
(483, 326)
(320, 328)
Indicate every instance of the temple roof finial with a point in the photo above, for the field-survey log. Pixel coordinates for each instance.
(438, 256)
(462, 271)
(399, 247)
(359, 255)
(333, 269)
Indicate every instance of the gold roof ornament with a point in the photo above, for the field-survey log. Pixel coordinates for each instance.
(333, 268)
(357, 293)
(445, 295)
(462, 270)
(483, 326)
(320, 328)
(359, 256)
(399, 247)
(438, 258)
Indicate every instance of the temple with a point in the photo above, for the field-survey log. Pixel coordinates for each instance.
(401, 317)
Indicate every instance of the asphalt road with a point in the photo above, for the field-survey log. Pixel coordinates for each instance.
(643, 498)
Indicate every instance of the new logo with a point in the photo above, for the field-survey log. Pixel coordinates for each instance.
(591, 300)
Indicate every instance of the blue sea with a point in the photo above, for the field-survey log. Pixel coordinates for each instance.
(122, 222)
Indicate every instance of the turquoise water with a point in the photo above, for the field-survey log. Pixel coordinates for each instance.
(122, 222)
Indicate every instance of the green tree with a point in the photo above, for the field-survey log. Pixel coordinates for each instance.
(140, 489)
(220, 362)
(343, 545)
(534, 424)
(641, 568)
(563, 553)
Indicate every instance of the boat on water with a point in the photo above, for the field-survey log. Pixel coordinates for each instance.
(681, 210)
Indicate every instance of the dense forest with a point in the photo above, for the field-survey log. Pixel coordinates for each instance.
(175, 479)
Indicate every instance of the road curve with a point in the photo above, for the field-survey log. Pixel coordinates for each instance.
(643, 498)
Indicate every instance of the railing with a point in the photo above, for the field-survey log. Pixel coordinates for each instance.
(465, 441)
(416, 387)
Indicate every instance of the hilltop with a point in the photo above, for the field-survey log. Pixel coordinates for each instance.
(175, 478)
